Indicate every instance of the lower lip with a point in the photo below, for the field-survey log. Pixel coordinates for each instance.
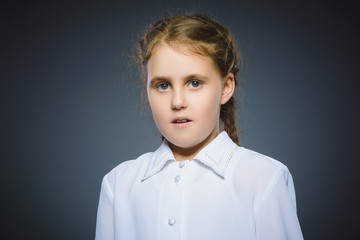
(181, 125)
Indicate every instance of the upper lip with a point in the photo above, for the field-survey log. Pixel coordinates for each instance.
(180, 119)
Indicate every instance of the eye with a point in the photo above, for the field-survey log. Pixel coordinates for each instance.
(195, 84)
(163, 86)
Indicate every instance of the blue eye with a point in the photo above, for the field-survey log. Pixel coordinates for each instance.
(163, 86)
(195, 84)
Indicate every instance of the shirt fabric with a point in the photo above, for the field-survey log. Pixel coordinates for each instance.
(226, 192)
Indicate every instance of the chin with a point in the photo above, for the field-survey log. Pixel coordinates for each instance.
(184, 142)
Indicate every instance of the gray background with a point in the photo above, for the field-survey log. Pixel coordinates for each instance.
(71, 106)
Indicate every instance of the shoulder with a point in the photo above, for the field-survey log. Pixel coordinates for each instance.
(252, 160)
(254, 170)
(130, 169)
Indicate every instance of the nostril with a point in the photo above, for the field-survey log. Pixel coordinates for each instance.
(178, 105)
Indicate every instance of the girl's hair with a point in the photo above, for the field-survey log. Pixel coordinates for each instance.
(197, 34)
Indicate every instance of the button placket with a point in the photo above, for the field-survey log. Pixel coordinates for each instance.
(172, 200)
(181, 164)
(177, 179)
(172, 221)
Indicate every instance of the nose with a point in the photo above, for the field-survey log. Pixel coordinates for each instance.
(178, 100)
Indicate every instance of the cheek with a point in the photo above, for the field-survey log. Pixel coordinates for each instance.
(209, 109)
(157, 106)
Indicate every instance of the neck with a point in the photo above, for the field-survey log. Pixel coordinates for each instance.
(190, 152)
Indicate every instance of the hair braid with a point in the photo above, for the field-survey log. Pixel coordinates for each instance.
(227, 115)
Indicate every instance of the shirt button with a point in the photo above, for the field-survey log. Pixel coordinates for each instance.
(177, 179)
(172, 221)
(181, 164)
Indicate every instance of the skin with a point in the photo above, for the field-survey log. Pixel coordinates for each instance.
(186, 87)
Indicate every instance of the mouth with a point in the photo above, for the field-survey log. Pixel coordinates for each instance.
(181, 122)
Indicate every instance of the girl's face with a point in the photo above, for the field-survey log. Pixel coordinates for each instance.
(185, 94)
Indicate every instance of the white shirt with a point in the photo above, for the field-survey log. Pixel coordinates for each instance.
(226, 192)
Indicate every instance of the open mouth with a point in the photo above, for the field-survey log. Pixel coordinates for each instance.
(181, 121)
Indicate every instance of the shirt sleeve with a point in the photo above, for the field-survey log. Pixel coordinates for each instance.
(105, 214)
(275, 214)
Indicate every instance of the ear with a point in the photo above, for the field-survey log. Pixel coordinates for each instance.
(228, 88)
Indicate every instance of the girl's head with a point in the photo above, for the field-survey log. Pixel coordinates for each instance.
(190, 64)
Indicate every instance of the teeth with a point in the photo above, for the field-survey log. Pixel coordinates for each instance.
(181, 121)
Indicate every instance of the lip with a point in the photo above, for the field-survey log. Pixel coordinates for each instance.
(181, 124)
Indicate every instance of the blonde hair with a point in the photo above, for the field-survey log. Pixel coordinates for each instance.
(197, 34)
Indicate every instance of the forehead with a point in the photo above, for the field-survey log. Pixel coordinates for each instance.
(170, 61)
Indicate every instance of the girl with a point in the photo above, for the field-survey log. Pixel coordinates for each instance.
(199, 184)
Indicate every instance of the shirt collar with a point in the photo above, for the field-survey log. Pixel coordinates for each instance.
(158, 160)
(216, 155)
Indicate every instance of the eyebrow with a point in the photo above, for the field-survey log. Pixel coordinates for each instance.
(186, 78)
(196, 76)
